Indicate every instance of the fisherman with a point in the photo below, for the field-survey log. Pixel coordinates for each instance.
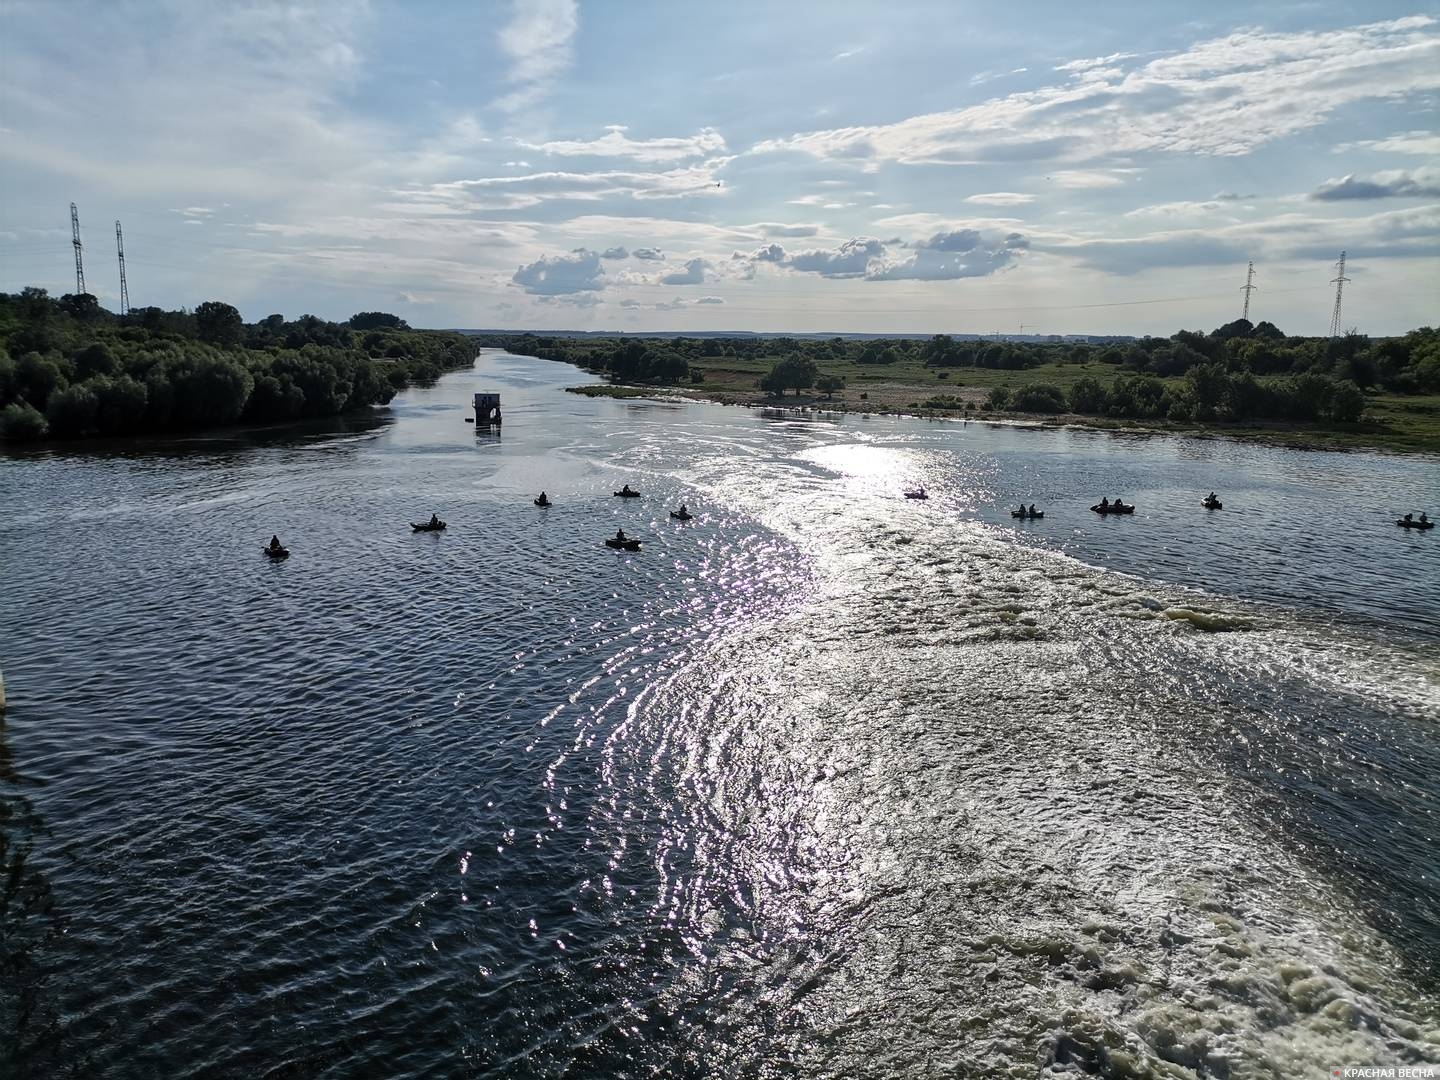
(625, 490)
(275, 544)
(542, 500)
(434, 521)
(683, 510)
(1407, 518)
(1104, 503)
(1032, 509)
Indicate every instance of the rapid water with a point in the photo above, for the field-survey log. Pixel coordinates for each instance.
(824, 783)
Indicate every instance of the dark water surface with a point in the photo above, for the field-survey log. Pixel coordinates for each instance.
(823, 783)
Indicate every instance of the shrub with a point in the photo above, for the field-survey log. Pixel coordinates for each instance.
(20, 422)
(1038, 398)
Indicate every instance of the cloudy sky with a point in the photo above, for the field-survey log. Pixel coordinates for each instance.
(901, 166)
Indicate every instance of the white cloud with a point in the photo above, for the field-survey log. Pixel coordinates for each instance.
(616, 144)
(1095, 62)
(615, 253)
(962, 253)
(711, 300)
(517, 192)
(1088, 178)
(538, 40)
(1225, 96)
(1394, 184)
(1424, 143)
(1000, 198)
(671, 305)
(693, 274)
(1177, 209)
(559, 275)
(774, 228)
(649, 254)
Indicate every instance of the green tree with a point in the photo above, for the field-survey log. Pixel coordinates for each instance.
(121, 404)
(1087, 395)
(218, 323)
(797, 372)
(377, 320)
(828, 384)
(71, 412)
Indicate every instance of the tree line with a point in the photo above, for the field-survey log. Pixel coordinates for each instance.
(1238, 371)
(71, 369)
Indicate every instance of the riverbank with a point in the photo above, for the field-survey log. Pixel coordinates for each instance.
(1395, 424)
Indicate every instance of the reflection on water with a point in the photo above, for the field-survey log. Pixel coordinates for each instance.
(822, 783)
(30, 930)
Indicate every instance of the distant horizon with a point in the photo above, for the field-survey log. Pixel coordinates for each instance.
(679, 168)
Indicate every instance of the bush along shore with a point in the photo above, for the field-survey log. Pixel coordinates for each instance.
(1240, 379)
(70, 369)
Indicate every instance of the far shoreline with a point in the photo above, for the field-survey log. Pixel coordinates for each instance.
(1279, 435)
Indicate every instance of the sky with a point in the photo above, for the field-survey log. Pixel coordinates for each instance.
(910, 166)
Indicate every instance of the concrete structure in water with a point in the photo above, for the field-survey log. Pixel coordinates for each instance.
(487, 410)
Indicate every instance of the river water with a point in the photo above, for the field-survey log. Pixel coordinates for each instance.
(824, 783)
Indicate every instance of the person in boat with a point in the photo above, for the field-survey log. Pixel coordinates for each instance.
(626, 490)
(542, 500)
(684, 511)
(434, 521)
(1104, 503)
(275, 544)
(1032, 509)
(620, 534)
(1423, 519)
(1211, 497)
(1022, 509)
(1407, 517)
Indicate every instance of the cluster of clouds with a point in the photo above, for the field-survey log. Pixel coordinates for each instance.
(1393, 184)
(945, 256)
(1226, 96)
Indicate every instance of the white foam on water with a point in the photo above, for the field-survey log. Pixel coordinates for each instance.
(958, 814)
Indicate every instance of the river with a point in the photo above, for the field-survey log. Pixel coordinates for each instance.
(823, 783)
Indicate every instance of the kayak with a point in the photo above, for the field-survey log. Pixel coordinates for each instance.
(1216, 505)
(681, 515)
(1415, 524)
(628, 494)
(623, 545)
(916, 495)
(427, 527)
(276, 553)
(1114, 508)
(1025, 514)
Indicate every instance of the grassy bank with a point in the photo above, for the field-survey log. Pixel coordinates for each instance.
(1393, 422)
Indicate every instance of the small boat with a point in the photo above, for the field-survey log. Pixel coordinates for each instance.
(1026, 514)
(1114, 508)
(276, 553)
(1415, 524)
(681, 515)
(628, 494)
(916, 494)
(627, 544)
(439, 526)
(1212, 504)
